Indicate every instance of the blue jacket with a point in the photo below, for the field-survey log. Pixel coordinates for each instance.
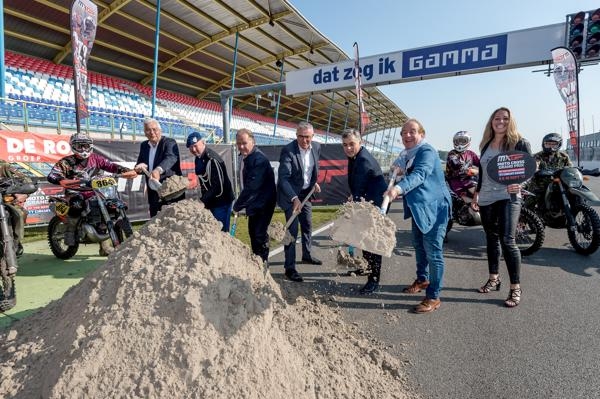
(425, 194)
(290, 176)
(259, 184)
(365, 178)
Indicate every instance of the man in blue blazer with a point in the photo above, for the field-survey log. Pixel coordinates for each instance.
(257, 193)
(427, 201)
(297, 175)
(160, 156)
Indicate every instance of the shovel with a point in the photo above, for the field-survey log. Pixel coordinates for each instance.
(152, 183)
(234, 225)
(386, 198)
(288, 239)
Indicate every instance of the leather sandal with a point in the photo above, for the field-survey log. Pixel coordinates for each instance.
(514, 298)
(416, 286)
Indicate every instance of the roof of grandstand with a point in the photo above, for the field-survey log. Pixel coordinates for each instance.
(197, 45)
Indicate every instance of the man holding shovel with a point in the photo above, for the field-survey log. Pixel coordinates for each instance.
(215, 187)
(297, 175)
(366, 182)
(257, 195)
(160, 157)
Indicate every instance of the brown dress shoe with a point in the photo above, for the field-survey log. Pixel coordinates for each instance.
(416, 286)
(427, 305)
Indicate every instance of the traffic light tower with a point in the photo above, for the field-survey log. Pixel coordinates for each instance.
(583, 35)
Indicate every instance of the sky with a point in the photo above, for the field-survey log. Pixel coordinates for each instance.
(447, 105)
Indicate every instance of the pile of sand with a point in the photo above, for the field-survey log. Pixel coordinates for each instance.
(183, 310)
(362, 225)
(173, 186)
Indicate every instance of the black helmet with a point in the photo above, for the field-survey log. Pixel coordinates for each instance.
(554, 141)
(81, 145)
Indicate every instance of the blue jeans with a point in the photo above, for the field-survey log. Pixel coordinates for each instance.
(223, 215)
(429, 248)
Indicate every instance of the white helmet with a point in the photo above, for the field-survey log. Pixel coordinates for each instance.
(461, 140)
(81, 145)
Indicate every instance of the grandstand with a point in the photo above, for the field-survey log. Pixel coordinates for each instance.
(197, 50)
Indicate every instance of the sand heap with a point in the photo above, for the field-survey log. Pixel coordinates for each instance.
(362, 225)
(182, 310)
(173, 186)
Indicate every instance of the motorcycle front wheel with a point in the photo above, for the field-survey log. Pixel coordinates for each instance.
(56, 240)
(530, 232)
(585, 237)
(8, 297)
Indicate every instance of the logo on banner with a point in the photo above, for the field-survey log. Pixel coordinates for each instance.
(32, 147)
(471, 54)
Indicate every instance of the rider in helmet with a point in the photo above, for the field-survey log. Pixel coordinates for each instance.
(551, 158)
(72, 169)
(462, 166)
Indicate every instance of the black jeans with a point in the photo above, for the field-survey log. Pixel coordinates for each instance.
(258, 223)
(499, 222)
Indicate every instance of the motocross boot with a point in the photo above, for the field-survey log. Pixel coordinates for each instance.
(71, 227)
(106, 248)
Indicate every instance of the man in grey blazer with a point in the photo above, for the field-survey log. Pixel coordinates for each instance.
(297, 175)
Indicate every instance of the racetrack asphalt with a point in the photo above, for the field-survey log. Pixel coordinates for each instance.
(473, 346)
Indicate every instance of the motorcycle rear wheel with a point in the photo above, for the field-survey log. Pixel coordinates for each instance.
(530, 232)
(8, 295)
(585, 238)
(56, 240)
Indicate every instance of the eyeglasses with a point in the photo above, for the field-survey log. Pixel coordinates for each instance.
(305, 137)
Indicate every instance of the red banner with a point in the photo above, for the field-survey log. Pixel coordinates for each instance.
(565, 77)
(33, 147)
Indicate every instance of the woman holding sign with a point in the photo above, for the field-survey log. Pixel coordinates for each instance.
(500, 204)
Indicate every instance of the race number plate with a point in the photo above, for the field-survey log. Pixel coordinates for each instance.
(104, 182)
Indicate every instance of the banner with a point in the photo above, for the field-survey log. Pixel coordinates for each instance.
(84, 18)
(566, 79)
(364, 120)
(37, 153)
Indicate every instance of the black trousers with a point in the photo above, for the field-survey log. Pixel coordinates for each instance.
(156, 203)
(258, 223)
(499, 222)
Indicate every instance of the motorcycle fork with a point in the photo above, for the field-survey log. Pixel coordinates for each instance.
(567, 208)
(7, 237)
(110, 226)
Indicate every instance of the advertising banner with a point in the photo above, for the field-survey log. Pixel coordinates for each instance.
(84, 19)
(565, 77)
(38, 152)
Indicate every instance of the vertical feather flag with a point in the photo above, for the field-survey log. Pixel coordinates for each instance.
(364, 116)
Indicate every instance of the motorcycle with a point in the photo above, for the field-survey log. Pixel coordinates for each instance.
(530, 232)
(9, 247)
(103, 217)
(567, 204)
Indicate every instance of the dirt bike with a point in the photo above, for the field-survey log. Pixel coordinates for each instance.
(567, 204)
(530, 232)
(9, 247)
(103, 217)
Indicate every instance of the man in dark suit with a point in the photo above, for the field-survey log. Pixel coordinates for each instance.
(297, 175)
(160, 156)
(257, 193)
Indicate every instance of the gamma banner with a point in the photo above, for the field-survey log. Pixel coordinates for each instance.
(565, 77)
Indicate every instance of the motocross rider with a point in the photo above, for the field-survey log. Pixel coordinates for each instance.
(69, 172)
(17, 203)
(462, 167)
(547, 160)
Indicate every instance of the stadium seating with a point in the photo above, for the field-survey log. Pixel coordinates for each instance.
(43, 95)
